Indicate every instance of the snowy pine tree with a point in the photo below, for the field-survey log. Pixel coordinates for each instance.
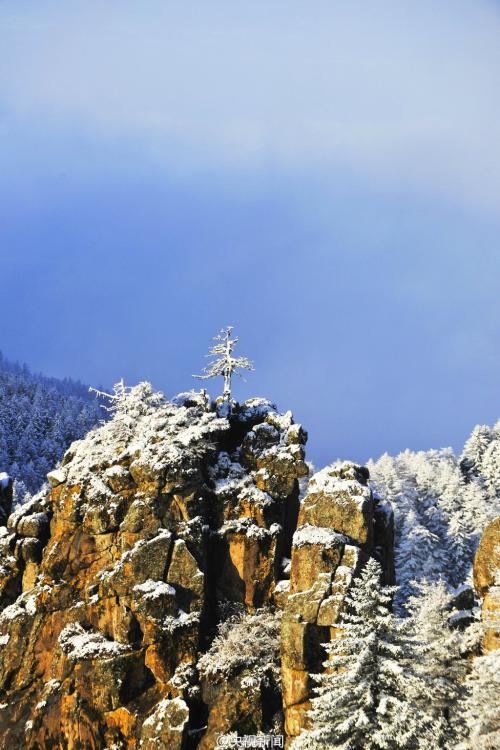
(363, 699)
(480, 706)
(441, 664)
(490, 468)
(439, 514)
(475, 448)
(132, 401)
(223, 363)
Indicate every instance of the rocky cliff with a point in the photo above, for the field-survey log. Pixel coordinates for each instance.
(487, 584)
(173, 584)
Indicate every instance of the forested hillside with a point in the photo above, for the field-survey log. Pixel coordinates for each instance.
(39, 418)
(442, 503)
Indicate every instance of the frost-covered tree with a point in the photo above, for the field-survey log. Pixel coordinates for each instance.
(244, 641)
(475, 448)
(439, 514)
(223, 363)
(363, 700)
(415, 556)
(460, 546)
(481, 704)
(126, 400)
(440, 664)
(490, 468)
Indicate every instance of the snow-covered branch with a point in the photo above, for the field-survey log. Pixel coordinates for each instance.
(223, 363)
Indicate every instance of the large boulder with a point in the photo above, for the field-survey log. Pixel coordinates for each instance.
(338, 497)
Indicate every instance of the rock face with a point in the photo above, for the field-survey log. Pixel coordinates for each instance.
(168, 524)
(114, 579)
(487, 583)
(340, 524)
(6, 487)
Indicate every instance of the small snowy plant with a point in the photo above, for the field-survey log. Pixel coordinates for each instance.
(244, 642)
(223, 363)
(125, 400)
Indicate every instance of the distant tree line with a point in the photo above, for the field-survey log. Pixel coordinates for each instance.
(39, 418)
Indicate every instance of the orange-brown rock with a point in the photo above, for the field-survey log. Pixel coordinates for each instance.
(338, 497)
(487, 557)
(336, 533)
(487, 583)
(154, 530)
(114, 578)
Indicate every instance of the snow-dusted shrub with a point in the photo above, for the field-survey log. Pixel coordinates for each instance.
(244, 641)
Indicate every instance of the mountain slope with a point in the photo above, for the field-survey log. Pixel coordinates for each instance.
(39, 418)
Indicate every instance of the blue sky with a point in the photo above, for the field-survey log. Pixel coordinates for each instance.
(324, 176)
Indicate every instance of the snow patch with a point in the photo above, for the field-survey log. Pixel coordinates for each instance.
(320, 535)
(151, 590)
(345, 488)
(79, 644)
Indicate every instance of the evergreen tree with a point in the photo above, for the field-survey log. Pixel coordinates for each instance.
(459, 547)
(130, 401)
(441, 664)
(490, 469)
(474, 450)
(481, 704)
(363, 699)
(439, 513)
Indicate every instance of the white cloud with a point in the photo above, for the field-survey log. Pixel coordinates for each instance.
(405, 93)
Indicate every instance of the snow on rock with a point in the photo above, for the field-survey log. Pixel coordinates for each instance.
(255, 409)
(340, 480)
(152, 436)
(193, 398)
(56, 477)
(339, 498)
(232, 479)
(79, 644)
(167, 725)
(25, 605)
(317, 535)
(130, 519)
(4, 480)
(154, 589)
